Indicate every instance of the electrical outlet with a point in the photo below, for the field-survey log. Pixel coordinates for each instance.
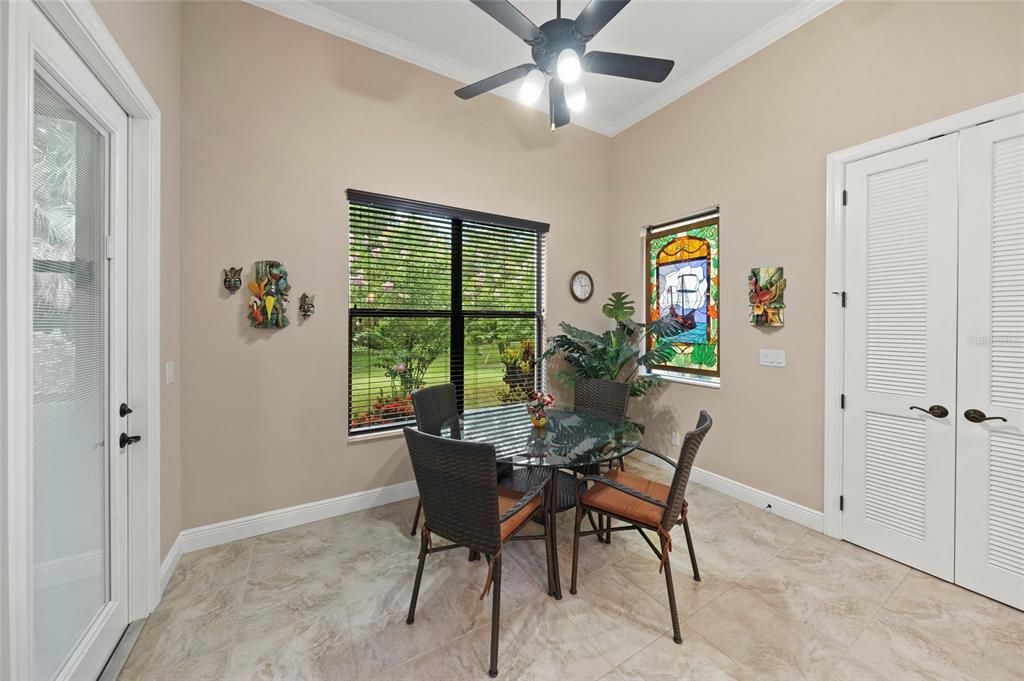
(675, 437)
(169, 367)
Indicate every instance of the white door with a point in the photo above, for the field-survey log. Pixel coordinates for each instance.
(900, 381)
(990, 453)
(79, 364)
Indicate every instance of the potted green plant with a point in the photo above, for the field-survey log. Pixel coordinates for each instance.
(618, 353)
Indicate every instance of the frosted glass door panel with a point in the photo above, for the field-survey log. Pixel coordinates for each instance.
(69, 357)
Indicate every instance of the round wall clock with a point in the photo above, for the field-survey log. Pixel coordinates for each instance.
(581, 285)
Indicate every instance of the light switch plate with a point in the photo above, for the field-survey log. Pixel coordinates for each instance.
(773, 358)
(169, 369)
(675, 437)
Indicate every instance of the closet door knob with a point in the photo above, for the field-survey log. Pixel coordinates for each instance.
(978, 416)
(936, 410)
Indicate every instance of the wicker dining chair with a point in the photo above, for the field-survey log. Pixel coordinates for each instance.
(600, 397)
(605, 399)
(436, 407)
(645, 505)
(608, 400)
(463, 504)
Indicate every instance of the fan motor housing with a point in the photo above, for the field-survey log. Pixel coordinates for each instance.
(561, 34)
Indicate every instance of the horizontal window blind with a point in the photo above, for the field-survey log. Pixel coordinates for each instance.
(398, 260)
(438, 295)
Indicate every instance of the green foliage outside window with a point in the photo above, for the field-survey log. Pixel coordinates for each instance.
(402, 262)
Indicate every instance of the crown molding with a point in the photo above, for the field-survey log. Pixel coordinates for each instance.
(325, 20)
(321, 18)
(748, 47)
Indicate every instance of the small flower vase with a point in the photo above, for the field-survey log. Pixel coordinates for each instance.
(539, 419)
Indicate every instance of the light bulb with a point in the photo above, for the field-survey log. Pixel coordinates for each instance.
(568, 66)
(533, 85)
(575, 96)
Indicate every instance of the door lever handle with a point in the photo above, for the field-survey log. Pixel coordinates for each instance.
(978, 416)
(127, 439)
(936, 410)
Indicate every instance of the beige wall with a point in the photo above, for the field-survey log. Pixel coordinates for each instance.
(279, 119)
(149, 33)
(754, 141)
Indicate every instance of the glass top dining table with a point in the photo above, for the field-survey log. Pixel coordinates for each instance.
(571, 441)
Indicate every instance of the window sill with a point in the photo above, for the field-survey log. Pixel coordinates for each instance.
(713, 383)
(370, 437)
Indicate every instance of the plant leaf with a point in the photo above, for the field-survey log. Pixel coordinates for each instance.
(619, 307)
(666, 327)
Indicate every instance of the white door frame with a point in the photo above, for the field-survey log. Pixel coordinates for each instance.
(85, 32)
(835, 276)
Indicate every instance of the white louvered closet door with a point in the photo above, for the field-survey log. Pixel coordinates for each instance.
(990, 454)
(901, 274)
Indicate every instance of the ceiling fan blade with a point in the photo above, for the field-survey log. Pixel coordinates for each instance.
(495, 81)
(628, 66)
(557, 107)
(512, 19)
(596, 16)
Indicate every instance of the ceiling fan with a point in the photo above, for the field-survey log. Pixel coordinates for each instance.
(559, 52)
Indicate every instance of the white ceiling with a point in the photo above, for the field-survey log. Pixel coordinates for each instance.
(455, 38)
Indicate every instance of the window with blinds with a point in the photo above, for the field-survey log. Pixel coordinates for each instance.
(440, 295)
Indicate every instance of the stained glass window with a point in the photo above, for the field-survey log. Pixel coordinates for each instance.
(682, 283)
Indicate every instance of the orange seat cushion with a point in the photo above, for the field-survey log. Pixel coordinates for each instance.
(507, 498)
(610, 500)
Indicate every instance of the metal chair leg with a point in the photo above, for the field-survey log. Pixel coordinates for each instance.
(576, 548)
(676, 635)
(495, 616)
(416, 584)
(416, 518)
(548, 553)
(603, 523)
(594, 525)
(689, 545)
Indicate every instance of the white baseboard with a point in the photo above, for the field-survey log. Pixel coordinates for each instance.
(170, 562)
(270, 521)
(784, 508)
(88, 565)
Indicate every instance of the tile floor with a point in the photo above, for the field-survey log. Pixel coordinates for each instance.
(777, 601)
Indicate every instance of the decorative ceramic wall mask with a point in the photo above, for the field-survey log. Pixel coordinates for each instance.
(233, 278)
(307, 305)
(269, 295)
(766, 286)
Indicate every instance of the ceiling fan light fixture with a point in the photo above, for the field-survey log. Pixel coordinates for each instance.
(558, 48)
(533, 85)
(568, 66)
(575, 96)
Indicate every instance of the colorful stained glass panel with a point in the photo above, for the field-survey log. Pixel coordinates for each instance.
(682, 264)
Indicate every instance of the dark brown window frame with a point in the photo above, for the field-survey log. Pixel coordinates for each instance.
(456, 313)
